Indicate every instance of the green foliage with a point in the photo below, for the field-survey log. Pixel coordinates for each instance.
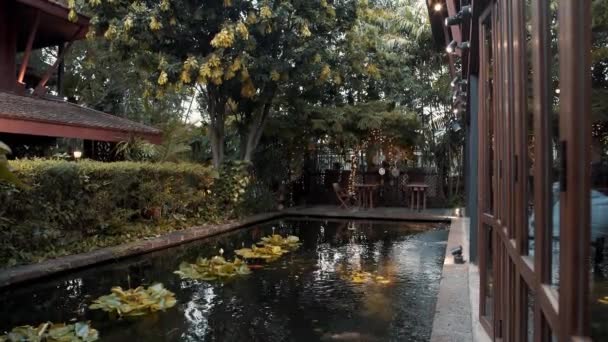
(5, 171)
(176, 142)
(73, 207)
(136, 149)
(49, 332)
(349, 125)
(231, 185)
(135, 302)
(212, 269)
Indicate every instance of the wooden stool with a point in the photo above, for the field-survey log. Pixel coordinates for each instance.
(418, 194)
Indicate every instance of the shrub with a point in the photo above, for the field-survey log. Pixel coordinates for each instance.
(71, 207)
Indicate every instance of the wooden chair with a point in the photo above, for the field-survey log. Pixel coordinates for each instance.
(343, 196)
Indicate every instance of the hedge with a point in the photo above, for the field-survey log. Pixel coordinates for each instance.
(71, 207)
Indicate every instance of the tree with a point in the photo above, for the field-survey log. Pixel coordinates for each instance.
(237, 53)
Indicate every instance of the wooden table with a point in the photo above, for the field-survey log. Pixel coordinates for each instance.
(417, 190)
(365, 194)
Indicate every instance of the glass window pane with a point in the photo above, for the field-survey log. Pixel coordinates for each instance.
(555, 143)
(489, 284)
(529, 128)
(599, 171)
(529, 315)
(489, 112)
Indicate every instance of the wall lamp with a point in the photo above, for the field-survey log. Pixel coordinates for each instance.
(465, 13)
(458, 84)
(455, 82)
(459, 97)
(451, 48)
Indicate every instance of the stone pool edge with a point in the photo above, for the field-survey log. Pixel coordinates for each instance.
(456, 316)
(24, 273)
(20, 274)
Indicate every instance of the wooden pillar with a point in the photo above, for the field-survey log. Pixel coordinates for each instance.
(40, 88)
(8, 46)
(28, 49)
(60, 70)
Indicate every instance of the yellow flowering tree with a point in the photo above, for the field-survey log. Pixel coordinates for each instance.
(239, 54)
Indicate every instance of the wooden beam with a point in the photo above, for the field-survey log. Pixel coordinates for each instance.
(452, 11)
(8, 46)
(28, 48)
(39, 91)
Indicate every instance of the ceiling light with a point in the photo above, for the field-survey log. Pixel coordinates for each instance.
(438, 7)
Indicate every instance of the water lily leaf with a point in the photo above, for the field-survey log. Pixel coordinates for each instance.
(216, 268)
(49, 332)
(361, 277)
(289, 243)
(136, 302)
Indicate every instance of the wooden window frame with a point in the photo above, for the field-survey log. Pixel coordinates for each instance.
(515, 272)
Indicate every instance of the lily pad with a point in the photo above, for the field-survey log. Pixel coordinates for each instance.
(135, 302)
(212, 269)
(267, 252)
(290, 242)
(361, 277)
(50, 332)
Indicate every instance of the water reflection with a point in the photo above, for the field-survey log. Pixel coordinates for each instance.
(304, 296)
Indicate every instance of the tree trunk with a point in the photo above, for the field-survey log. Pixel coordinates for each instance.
(216, 108)
(217, 147)
(254, 132)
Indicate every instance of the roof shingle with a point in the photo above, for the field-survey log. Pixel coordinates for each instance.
(65, 113)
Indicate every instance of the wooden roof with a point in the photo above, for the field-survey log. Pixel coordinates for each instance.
(56, 118)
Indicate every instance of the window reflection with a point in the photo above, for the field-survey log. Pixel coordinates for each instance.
(489, 112)
(555, 143)
(489, 284)
(599, 171)
(530, 315)
(529, 127)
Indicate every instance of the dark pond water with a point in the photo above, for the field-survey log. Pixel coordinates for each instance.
(304, 296)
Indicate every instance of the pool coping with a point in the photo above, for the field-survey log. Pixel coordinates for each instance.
(25, 273)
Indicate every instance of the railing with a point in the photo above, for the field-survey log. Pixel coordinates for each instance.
(316, 188)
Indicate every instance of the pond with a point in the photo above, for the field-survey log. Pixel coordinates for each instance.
(306, 295)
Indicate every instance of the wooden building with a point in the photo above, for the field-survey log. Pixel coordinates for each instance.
(27, 113)
(535, 79)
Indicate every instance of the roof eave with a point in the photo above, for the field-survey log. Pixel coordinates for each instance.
(68, 130)
(55, 9)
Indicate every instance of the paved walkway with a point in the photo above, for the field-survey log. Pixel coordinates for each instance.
(452, 320)
(386, 213)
